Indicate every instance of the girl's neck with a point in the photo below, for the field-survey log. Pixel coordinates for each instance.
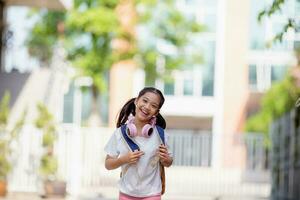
(139, 124)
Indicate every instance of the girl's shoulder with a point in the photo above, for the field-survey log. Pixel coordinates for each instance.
(117, 133)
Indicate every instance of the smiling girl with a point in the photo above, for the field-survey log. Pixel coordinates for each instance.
(141, 169)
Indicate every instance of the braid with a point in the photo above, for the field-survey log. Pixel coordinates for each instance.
(160, 121)
(128, 108)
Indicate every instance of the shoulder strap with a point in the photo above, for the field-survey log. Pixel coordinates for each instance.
(161, 133)
(133, 146)
(130, 143)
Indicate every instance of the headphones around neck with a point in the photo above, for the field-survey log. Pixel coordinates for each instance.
(147, 130)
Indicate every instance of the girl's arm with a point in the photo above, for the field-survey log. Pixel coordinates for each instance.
(115, 162)
(164, 157)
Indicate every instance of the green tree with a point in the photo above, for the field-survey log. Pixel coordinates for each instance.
(88, 30)
(44, 34)
(279, 99)
(165, 26)
(276, 7)
(92, 26)
(5, 165)
(7, 136)
(45, 122)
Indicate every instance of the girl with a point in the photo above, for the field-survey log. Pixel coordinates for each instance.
(141, 171)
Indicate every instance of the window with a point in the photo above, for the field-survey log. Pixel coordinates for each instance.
(252, 75)
(188, 87)
(169, 87)
(277, 72)
(208, 81)
(68, 105)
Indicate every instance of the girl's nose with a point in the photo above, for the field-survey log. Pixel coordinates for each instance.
(147, 106)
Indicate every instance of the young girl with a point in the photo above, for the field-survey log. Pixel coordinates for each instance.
(141, 172)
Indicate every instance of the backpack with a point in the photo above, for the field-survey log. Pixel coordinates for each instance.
(133, 146)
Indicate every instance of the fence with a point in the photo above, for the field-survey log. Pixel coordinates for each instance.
(285, 157)
(257, 158)
(190, 148)
(81, 164)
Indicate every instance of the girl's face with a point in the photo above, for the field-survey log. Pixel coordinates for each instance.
(147, 106)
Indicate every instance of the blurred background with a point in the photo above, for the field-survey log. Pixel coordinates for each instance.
(229, 71)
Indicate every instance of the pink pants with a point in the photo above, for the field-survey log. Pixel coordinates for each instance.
(127, 197)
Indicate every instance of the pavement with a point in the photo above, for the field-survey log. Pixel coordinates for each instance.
(34, 196)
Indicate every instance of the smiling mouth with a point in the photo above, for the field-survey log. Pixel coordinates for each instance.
(144, 113)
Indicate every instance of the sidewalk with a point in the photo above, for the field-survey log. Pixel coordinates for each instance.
(34, 196)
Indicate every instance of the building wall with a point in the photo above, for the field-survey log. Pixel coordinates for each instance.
(231, 80)
(120, 88)
(235, 79)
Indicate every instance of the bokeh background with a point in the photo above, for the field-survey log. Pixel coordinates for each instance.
(229, 71)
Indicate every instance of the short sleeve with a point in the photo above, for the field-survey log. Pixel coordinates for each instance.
(111, 147)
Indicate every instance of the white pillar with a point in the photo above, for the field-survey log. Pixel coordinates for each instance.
(218, 86)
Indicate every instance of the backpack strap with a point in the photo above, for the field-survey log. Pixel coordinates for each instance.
(133, 146)
(130, 143)
(161, 133)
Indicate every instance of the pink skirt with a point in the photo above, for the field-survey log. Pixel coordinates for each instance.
(127, 197)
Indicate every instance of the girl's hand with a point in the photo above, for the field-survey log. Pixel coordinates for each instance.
(132, 157)
(164, 156)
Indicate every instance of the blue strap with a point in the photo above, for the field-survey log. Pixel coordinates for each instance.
(131, 144)
(161, 133)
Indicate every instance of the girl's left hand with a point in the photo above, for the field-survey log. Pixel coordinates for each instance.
(164, 156)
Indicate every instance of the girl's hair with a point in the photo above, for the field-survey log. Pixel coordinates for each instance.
(129, 107)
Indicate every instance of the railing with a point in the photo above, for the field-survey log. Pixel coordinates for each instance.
(257, 152)
(190, 148)
(81, 164)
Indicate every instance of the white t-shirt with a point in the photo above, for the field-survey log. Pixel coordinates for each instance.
(141, 179)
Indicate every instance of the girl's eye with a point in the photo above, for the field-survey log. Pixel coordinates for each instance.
(154, 106)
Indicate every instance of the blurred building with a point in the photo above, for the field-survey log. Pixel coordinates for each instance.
(214, 99)
(27, 82)
(211, 100)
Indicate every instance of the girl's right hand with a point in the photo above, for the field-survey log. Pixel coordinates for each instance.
(132, 157)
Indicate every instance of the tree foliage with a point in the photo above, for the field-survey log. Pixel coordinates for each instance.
(92, 26)
(92, 31)
(165, 33)
(44, 34)
(279, 99)
(45, 122)
(7, 136)
(273, 8)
